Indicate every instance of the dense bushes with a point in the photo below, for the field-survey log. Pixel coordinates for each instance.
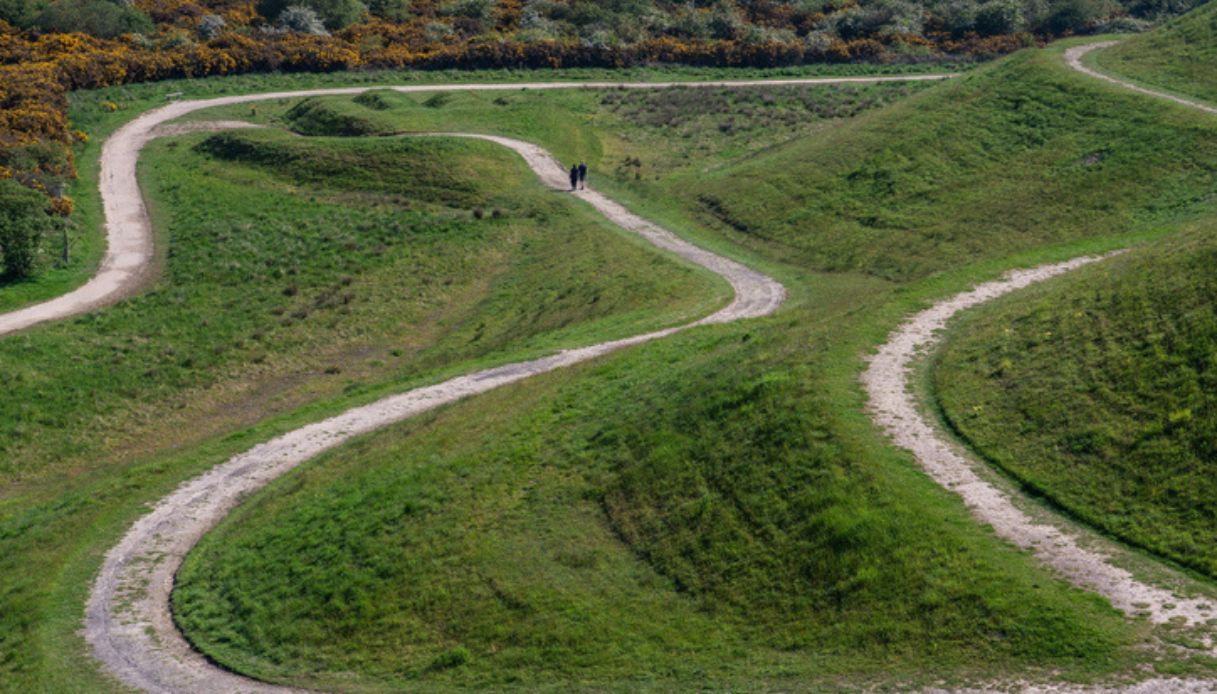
(23, 220)
(96, 17)
(335, 14)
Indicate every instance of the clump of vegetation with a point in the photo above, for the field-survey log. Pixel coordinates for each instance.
(334, 14)
(1100, 392)
(302, 20)
(329, 117)
(23, 222)
(105, 19)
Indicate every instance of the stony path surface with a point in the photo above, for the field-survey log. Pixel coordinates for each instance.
(128, 620)
(895, 408)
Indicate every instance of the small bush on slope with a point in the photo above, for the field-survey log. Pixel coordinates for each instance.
(1179, 57)
(1101, 392)
(1008, 157)
(23, 220)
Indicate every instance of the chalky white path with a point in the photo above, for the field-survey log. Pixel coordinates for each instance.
(895, 408)
(127, 264)
(127, 617)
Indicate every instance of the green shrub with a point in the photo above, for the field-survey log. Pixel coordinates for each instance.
(97, 17)
(392, 10)
(23, 220)
(21, 13)
(335, 14)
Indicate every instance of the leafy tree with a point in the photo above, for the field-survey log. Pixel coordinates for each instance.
(392, 10)
(334, 14)
(21, 13)
(97, 17)
(999, 17)
(23, 220)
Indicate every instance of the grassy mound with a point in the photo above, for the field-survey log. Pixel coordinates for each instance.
(422, 170)
(1178, 57)
(343, 117)
(1015, 155)
(281, 288)
(1102, 393)
(716, 508)
(698, 513)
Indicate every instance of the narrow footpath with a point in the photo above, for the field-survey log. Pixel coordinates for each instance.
(128, 619)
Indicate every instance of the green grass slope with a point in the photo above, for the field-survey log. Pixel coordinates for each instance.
(1101, 392)
(283, 287)
(1180, 56)
(716, 508)
(698, 513)
(1007, 158)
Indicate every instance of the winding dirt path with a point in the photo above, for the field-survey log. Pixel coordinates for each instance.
(1074, 56)
(127, 264)
(127, 617)
(128, 620)
(894, 407)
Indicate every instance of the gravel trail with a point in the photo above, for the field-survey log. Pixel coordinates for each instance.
(895, 408)
(127, 618)
(128, 621)
(126, 266)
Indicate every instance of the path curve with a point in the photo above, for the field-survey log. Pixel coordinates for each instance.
(895, 408)
(127, 617)
(1074, 55)
(127, 264)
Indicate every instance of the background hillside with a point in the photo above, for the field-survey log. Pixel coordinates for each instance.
(1179, 57)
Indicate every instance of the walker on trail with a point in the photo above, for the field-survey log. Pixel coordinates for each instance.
(574, 177)
(582, 175)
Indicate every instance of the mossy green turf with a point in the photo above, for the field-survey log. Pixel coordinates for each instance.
(1101, 393)
(1179, 57)
(715, 510)
(280, 287)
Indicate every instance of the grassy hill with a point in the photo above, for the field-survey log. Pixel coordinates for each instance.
(1178, 57)
(715, 509)
(283, 288)
(1101, 392)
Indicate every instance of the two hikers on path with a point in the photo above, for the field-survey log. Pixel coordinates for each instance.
(578, 176)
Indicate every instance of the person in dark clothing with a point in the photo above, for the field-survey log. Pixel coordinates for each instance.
(582, 175)
(574, 176)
